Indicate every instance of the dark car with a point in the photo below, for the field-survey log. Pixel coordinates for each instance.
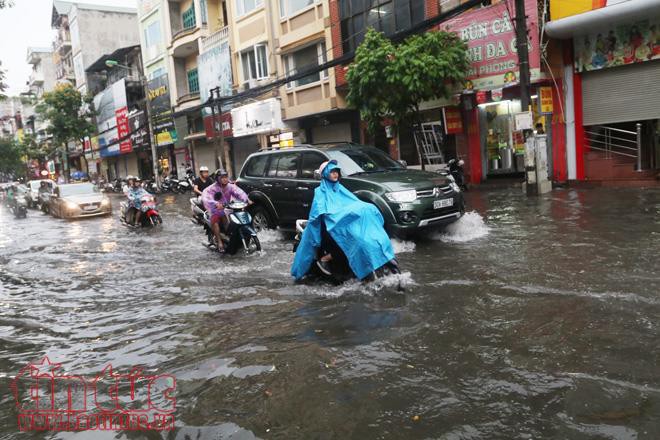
(281, 184)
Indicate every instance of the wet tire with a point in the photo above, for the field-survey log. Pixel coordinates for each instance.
(261, 219)
(254, 245)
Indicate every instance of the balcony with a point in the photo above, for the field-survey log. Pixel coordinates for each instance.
(215, 38)
(36, 79)
(62, 43)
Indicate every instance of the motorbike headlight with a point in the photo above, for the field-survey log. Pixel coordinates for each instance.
(455, 187)
(402, 196)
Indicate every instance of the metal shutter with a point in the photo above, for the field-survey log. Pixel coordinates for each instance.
(622, 94)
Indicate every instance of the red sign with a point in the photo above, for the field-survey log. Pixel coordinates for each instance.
(491, 41)
(453, 120)
(123, 130)
(226, 125)
(482, 97)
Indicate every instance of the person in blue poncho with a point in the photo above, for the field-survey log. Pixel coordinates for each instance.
(341, 223)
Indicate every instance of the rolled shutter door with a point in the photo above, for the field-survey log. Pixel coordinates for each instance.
(622, 94)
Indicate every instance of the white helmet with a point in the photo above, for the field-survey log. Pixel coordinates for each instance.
(203, 168)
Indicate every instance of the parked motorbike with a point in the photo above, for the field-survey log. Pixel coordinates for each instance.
(341, 271)
(170, 184)
(150, 216)
(150, 186)
(115, 186)
(457, 172)
(240, 233)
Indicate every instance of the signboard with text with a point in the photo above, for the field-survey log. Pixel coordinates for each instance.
(214, 70)
(158, 98)
(453, 121)
(258, 117)
(545, 100)
(491, 41)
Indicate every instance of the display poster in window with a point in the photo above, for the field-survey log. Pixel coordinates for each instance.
(491, 41)
(453, 121)
(158, 98)
(618, 45)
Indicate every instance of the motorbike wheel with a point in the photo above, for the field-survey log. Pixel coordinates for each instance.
(253, 245)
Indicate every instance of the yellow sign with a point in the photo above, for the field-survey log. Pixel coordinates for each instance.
(566, 8)
(545, 100)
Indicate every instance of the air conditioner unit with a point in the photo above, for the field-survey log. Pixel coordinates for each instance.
(250, 84)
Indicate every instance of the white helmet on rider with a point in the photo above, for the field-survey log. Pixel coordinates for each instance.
(203, 168)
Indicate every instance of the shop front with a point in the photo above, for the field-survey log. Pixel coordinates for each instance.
(613, 66)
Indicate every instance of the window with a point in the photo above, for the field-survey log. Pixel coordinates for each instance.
(158, 72)
(255, 63)
(284, 165)
(257, 166)
(152, 34)
(310, 163)
(304, 59)
(188, 17)
(204, 12)
(245, 6)
(387, 16)
(290, 7)
(193, 81)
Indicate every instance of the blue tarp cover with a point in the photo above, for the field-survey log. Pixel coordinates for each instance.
(356, 227)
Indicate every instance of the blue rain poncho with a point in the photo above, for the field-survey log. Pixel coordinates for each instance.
(356, 227)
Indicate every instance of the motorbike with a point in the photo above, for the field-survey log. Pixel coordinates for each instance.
(42, 202)
(19, 207)
(150, 186)
(457, 172)
(170, 184)
(115, 186)
(150, 216)
(341, 271)
(240, 233)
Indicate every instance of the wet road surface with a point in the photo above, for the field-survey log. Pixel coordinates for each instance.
(532, 318)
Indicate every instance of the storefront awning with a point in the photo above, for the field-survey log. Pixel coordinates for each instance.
(581, 24)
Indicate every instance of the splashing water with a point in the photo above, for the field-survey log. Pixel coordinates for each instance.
(469, 227)
(402, 246)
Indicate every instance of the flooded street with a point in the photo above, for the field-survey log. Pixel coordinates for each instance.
(532, 318)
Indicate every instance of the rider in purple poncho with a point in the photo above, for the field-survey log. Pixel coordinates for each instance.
(216, 197)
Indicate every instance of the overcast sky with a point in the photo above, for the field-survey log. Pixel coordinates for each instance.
(26, 24)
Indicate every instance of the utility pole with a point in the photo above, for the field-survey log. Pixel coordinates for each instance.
(218, 144)
(150, 130)
(523, 54)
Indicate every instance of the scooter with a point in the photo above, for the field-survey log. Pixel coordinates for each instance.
(457, 172)
(19, 207)
(150, 216)
(341, 271)
(240, 233)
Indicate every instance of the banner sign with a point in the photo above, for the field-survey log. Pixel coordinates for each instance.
(137, 122)
(491, 41)
(453, 121)
(620, 45)
(214, 70)
(123, 130)
(545, 100)
(110, 106)
(158, 98)
(258, 117)
(213, 129)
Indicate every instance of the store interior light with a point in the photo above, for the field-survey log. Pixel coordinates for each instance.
(486, 104)
(534, 96)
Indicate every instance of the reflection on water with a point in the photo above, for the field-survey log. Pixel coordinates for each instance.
(529, 318)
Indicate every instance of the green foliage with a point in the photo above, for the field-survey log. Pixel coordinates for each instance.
(67, 113)
(32, 149)
(11, 157)
(388, 81)
(3, 84)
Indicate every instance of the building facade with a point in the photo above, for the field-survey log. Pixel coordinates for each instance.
(42, 79)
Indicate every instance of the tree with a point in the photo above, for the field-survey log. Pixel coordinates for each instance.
(388, 81)
(68, 115)
(3, 85)
(11, 161)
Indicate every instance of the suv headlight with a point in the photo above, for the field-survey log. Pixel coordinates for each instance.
(455, 187)
(402, 196)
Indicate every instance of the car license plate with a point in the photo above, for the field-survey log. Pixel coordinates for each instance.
(443, 203)
(89, 207)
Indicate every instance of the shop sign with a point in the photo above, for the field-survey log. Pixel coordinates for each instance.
(286, 140)
(259, 117)
(453, 121)
(158, 98)
(482, 97)
(111, 109)
(491, 41)
(123, 130)
(213, 129)
(139, 130)
(619, 45)
(545, 100)
(214, 71)
(496, 94)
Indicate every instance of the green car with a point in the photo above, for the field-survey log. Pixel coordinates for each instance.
(281, 184)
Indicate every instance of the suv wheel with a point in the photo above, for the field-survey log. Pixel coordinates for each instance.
(261, 219)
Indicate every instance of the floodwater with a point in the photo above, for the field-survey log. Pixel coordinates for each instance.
(531, 318)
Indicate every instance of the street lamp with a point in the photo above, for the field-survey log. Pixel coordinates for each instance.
(152, 137)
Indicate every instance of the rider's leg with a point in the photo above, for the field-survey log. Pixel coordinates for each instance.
(215, 227)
